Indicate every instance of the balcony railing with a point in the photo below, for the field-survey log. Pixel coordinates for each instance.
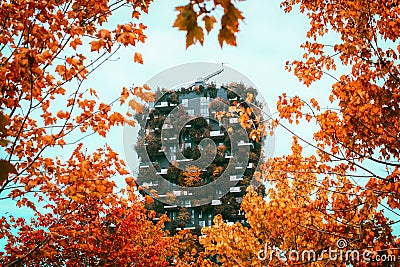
(216, 133)
(235, 189)
(216, 202)
(243, 143)
(228, 155)
(179, 193)
(143, 166)
(162, 171)
(149, 184)
(183, 160)
(235, 178)
(170, 206)
(167, 126)
(161, 104)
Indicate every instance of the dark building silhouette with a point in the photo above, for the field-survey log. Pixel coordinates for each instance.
(163, 149)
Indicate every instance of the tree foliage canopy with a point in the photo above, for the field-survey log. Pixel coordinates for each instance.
(78, 216)
(338, 192)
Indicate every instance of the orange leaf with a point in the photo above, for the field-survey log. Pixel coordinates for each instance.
(137, 107)
(148, 199)
(209, 22)
(124, 95)
(138, 58)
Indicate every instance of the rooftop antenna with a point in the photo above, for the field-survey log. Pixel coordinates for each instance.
(202, 80)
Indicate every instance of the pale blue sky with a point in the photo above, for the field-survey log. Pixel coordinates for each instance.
(268, 38)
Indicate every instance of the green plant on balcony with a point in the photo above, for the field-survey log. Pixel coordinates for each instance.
(229, 207)
(188, 153)
(173, 174)
(196, 153)
(183, 217)
(153, 144)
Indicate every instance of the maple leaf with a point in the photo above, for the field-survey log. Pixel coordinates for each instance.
(209, 22)
(187, 21)
(230, 25)
(137, 107)
(124, 95)
(5, 169)
(75, 43)
(138, 58)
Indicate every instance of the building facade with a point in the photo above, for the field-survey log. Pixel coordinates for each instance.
(173, 153)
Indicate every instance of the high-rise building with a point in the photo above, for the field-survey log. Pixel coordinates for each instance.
(181, 170)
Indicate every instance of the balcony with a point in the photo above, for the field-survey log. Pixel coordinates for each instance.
(179, 193)
(233, 178)
(186, 203)
(183, 160)
(235, 189)
(162, 171)
(167, 126)
(170, 206)
(233, 120)
(161, 104)
(145, 184)
(243, 143)
(216, 202)
(143, 166)
(216, 133)
(228, 155)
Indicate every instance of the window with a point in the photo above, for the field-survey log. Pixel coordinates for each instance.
(202, 223)
(200, 214)
(209, 220)
(187, 145)
(204, 112)
(185, 102)
(204, 101)
(192, 216)
(190, 112)
(186, 203)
